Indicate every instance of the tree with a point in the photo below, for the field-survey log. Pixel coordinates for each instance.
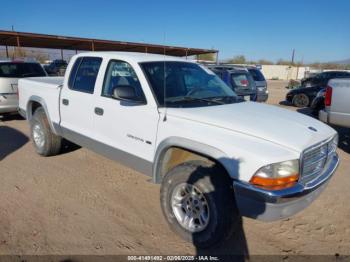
(207, 57)
(239, 59)
(20, 52)
(284, 62)
(265, 62)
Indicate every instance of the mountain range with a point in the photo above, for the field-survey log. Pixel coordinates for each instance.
(342, 62)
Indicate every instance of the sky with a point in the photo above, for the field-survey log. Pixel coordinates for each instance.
(318, 30)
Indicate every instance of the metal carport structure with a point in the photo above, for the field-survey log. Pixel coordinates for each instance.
(23, 39)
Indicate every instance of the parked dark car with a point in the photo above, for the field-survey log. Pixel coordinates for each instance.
(57, 67)
(322, 79)
(239, 79)
(303, 96)
(318, 103)
(260, 82)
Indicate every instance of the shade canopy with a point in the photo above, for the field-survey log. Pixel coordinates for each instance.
(22, 39)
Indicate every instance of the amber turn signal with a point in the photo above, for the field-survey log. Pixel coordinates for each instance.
(274, 183)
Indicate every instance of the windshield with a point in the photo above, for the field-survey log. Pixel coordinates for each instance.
(186, 84)
(19, 70)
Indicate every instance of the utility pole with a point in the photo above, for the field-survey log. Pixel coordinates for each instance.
(293, 53)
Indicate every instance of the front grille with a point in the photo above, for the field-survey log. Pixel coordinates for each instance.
(315, 159)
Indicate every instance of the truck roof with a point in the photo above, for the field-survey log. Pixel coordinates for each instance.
(135, 56)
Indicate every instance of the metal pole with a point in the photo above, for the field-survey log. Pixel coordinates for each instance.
(7, 52)
(93, 45)
(293, 53)
(62, 54)
(18, 46)
(146, 49)
(186, 53)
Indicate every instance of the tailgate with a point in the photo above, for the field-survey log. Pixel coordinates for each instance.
(340, 96)
(45, 90)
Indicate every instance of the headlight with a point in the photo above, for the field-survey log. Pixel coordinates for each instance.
(261, 89)
(277, 176)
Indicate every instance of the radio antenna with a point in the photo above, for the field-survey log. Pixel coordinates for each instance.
(164, 82)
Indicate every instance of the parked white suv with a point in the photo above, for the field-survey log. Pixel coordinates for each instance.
(10, 72)
(337, 105)
(215, 156)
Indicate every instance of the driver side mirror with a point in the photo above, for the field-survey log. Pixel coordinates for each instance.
(126, 93)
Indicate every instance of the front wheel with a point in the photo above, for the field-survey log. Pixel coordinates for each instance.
(198, 203)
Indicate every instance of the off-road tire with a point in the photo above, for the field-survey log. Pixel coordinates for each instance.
(216, 186)
(51, 142)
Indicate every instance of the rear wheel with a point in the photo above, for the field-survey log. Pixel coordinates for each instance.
(45, 141)
(301, 100)
(198, 203)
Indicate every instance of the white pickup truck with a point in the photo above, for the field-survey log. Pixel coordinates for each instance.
(337, 105)
(216, 157)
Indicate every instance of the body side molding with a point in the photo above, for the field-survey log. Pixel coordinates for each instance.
(125, 158)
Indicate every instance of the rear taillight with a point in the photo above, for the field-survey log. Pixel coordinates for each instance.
(328, 96)
(244, 82)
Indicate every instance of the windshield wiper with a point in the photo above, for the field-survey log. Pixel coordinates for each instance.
(191, 99)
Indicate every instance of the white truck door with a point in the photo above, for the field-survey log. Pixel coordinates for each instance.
(127, 126)
(77, 99)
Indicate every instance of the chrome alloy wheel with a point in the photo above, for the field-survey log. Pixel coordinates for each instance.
(38, 135)
(190, 207)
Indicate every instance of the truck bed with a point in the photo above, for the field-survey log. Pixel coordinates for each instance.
(42, 90)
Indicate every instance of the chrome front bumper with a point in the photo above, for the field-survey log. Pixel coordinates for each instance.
(269, 205)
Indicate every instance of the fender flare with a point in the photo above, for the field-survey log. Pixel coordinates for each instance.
(230, 164)
(41, 101)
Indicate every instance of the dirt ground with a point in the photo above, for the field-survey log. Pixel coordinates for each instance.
(82, 203)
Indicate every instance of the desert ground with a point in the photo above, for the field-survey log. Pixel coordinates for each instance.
(81, 203)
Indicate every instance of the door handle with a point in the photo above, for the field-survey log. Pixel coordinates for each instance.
(65, 102)
(98, 111)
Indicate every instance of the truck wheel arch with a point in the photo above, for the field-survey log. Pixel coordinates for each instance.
(35, 102)
(175, 150)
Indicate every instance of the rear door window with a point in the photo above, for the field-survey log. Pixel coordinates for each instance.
(256, 74)
(84, 73)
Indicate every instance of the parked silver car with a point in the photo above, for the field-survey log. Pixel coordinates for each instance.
(10, 72)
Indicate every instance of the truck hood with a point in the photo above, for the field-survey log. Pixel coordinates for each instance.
(280, 126)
